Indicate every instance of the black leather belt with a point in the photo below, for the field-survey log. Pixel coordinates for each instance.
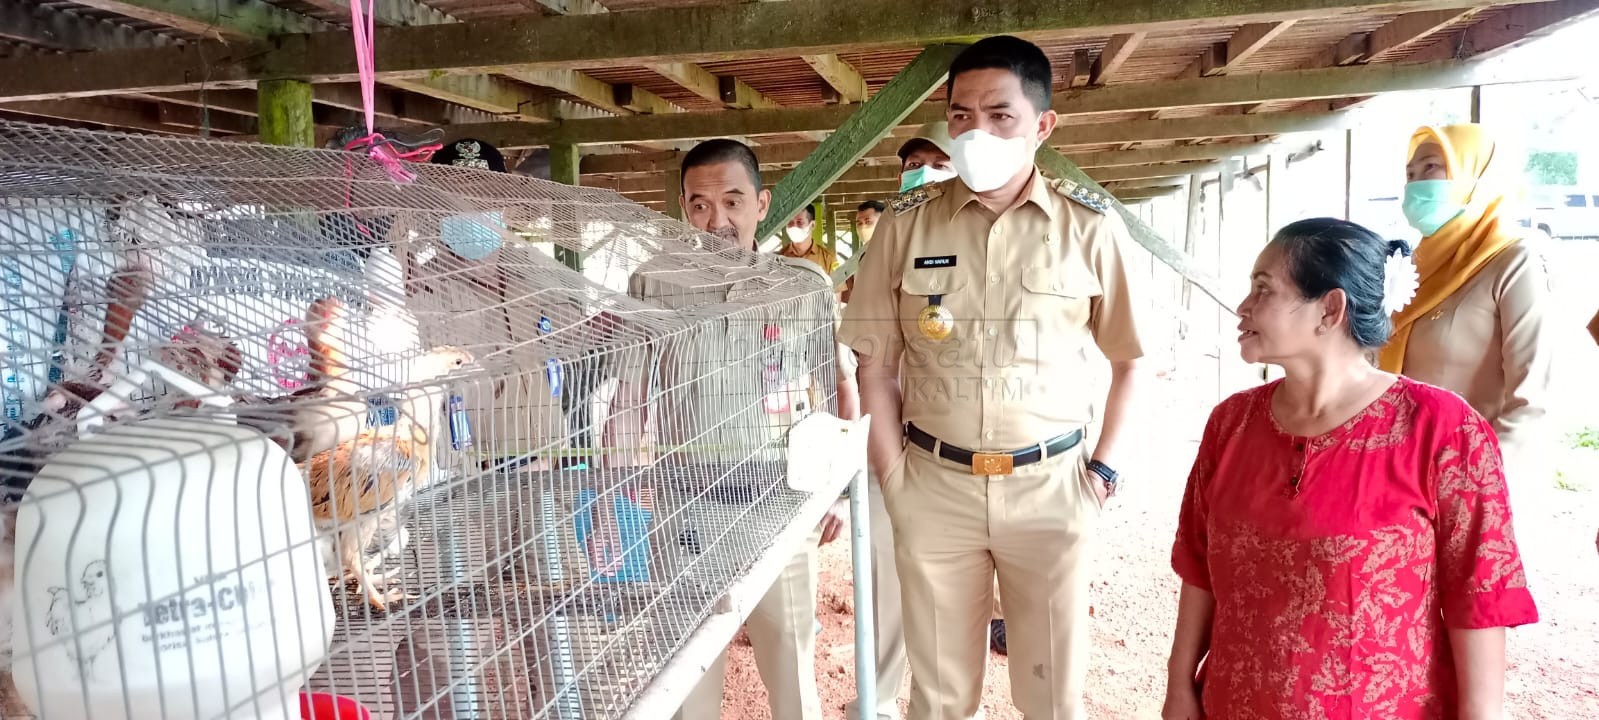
(1000, 463)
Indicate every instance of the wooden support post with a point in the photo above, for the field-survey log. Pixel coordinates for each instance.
(285, 113)
(1476, 103)
(1054, 164)
(1221, 267)
(564, 168)
(876, 117)
(1196, 190)
(817, 233)
(674, 193)
(830, 230)
(1276, 185)
(1349, 173)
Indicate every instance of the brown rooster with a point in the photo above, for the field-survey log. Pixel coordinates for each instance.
(360, 482)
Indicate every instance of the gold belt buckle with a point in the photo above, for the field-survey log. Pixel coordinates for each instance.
(991, 464)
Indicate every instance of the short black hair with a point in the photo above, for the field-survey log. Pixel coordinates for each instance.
(1327, 254)
(1015, 55)
(810, 212)
(723, 150)
(913, 145)
(873, 205)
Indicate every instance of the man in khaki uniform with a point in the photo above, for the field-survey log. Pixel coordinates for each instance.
(991, 289)
(799, 244)
(722, 196)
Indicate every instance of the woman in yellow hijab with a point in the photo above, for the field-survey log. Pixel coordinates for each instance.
(1476, 325)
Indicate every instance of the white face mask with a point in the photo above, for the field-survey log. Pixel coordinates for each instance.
(796, 234)
(986, 162)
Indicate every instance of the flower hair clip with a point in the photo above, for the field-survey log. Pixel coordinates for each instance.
(1399, 281)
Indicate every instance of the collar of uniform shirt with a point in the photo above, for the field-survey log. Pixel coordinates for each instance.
(1038, 193)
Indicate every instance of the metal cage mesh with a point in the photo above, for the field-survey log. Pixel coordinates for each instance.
(527, 485)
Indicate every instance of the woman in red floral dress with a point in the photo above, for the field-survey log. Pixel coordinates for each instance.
(1345, 542)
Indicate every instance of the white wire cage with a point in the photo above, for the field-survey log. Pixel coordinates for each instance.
(283, 419)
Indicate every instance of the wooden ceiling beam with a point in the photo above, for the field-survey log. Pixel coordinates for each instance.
(699, 33)
(769, 156)
(688, 76)
(1081, 71)
(195, 118)
(1124, 158)
(57, 30)
(519, 135)
(1408, 31)
(1145, 193)
(1481, 42)
(1222, 57)
(841, 76)
(1248, 40)
(97, 112)
(1295, 85)
(1511, 28)
(247, 20)
(858, 134)
(872, 179)
(1114, 55)
(1145, 172)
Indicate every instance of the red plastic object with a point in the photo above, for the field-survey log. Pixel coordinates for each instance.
(322, 706)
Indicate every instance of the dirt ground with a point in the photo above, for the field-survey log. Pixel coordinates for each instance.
(1553, 666)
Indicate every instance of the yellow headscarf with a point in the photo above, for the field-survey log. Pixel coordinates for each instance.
(1450, 257)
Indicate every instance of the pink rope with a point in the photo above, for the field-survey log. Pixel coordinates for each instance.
(363, 27)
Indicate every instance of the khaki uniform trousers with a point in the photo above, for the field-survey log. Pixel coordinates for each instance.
(953, 531)
(782, 630)
(888, 620)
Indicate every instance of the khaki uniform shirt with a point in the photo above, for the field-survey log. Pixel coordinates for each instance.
(1486, 342)
(824, 258)
(484, 307)
(727, 389)
(1030, 291)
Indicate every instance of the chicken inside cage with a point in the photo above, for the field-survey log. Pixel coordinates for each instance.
(422, 465)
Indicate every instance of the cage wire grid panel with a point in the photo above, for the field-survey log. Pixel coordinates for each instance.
(275, 418)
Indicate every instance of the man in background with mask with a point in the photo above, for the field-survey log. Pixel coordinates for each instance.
(798, 242)
(991, 289)
(866, 215)
(924, 159)
(722, 195)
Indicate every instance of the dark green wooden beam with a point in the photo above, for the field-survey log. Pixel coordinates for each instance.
(863, 130)
(1056, 165)
(686, 126)
(677, 34)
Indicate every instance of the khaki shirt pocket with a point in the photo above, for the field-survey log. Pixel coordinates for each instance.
(1058, 302)
(918, 288)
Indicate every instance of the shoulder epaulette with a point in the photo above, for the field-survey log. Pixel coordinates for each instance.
(1098, 202)
(916, 197)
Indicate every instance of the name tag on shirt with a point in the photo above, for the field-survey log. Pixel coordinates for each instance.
(940, 261)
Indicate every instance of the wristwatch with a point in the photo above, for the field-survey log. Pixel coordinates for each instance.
(1107, 475)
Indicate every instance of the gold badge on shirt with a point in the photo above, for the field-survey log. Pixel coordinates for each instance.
(935, 321)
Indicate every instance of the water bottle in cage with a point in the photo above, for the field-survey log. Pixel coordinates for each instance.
(776, 385)
(460, 425)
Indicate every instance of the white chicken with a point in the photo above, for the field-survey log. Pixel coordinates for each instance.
(82, 617)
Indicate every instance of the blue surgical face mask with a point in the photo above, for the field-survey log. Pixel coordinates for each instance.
(923, 175)
(474, 235)
(1428, 205)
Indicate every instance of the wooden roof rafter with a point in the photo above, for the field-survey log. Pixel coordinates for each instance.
(1182, 60)
(562, 42)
